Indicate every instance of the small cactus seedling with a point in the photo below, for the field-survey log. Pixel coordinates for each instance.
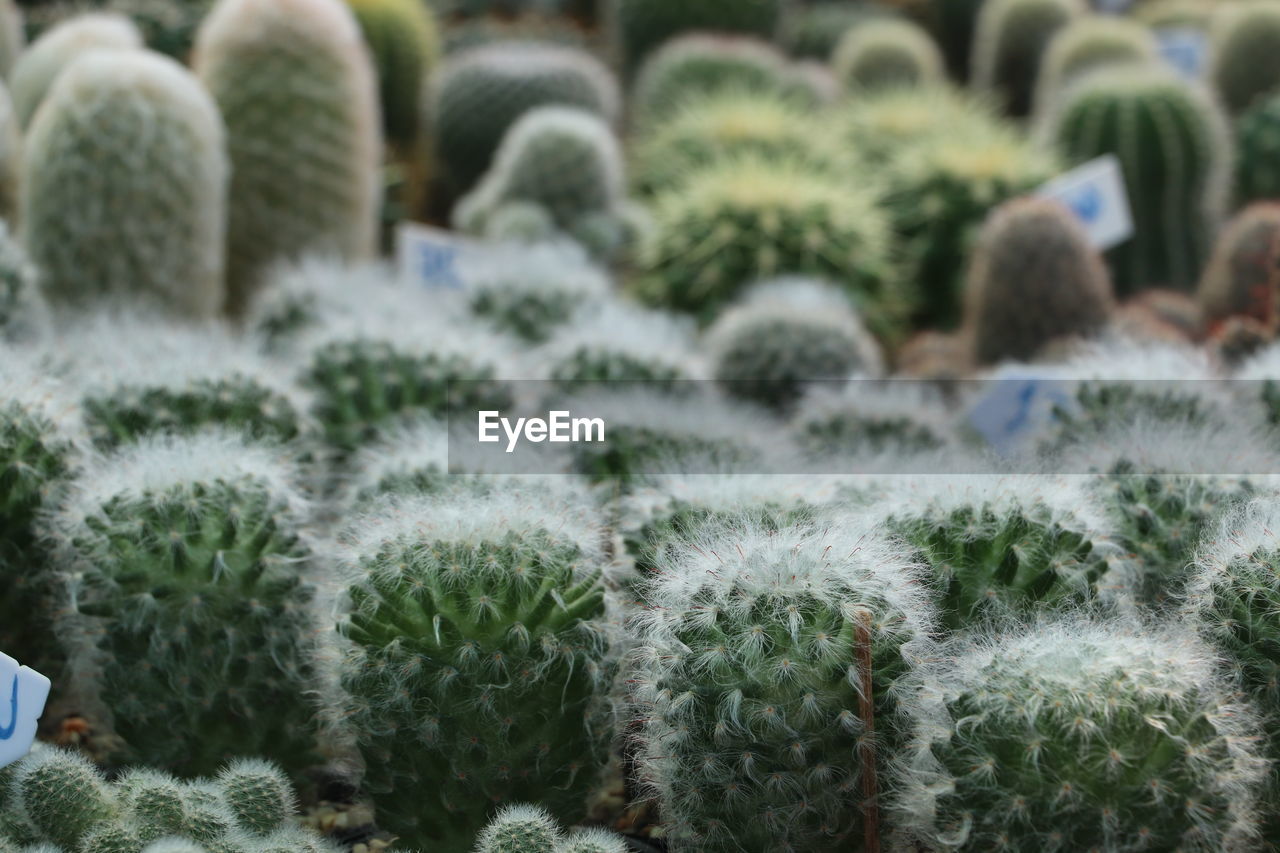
(1009, 43)
(1243, 274)
(1034, 278)
(149, 226)
(530, 829)
(479, 659)
(886, 53)
(1089, 42)
(185, 564)
(295, 84)
(1081, 735)
(405, 46)
(531, 291)
(643, 25)
(1244, 52)
(786, 334)
(773, 679)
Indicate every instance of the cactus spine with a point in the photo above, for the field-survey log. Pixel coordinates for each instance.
(1245, 52)
(1010, 39)
(296, 87)
(1240, 279)
(886, 53)
(150, 226)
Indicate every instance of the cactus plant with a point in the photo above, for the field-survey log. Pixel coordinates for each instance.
(185, 564)
(479, 657)
(953, 23)
(880, 126)
(785, 334)
(750, 218)
(40, 64)
(1086, 43)
(773, 680)
(12, 37)
(529, 829)
(1240, 279)
(1170, 139)
(531, 291)
(813, 31)
(858, 418)
(1257, 138)
(405, 46)
(1034, 277)
(294, 83)
(24, 314)
(1009, 42)
(1244, 38)
(1086, 735)
(150, 227)
(642, 25)
(480, 93)
(885, 54)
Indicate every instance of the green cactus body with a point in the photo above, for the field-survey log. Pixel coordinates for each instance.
(643, 25)
(747, 219)
(1257, 138)
(953, 23)
(10, 156)
(1240, 278)
(194, 575)
(772, 679)
(1087, 43)
(1034, 278)
(124, 187)
(531, 291)
(886, 54)
(24, 315)
(619, 342)
(12, 37)
(529, 829)
(480, 93)
(852, 419)
(479, 658)
(881, 126)
(296, 88)
(405, 45)
(1170, 139)
(1080, 735)
(1244, 52)
(61, 795)
(813, 31)
(167, 26)
(1010, 40)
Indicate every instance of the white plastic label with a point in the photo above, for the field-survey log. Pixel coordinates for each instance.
(1020, 403)
(23, 692)
(431, 256)
(1184, 48)
(1095, 192)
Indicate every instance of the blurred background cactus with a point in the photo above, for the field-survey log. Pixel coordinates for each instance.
(1244, 64)
(642, 25)
(1010, 38)
(886, 53)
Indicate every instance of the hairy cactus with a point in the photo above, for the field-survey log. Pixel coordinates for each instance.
(24, 314)
(530, 291)
(1171, 142)
(887, 53)
(60, 795)
(1033, 278)
(786, 334)
(530, 829)
(773, 680)
(1089, 42)
(940, 192)
(880, 126)
(405, 47)
(1010, 39)
(41, 63)
(1081, 735)
(479, 657)
(294, 83)
(124, 185)
(185, 565)
(749, 218)
(10, 156)
(860, 418)
(1244, 52)
(643, 25)
(1240, 279)
(480, 93)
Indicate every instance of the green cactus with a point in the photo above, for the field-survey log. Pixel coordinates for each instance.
(1170, 139)
(953, 23)
(1240, 278)
(856, 419)
(785, 335)
(10, 156)
(1085, 735)
(258, 794)
(620, 342)
(530, 829)
(813, 31)
(1257, 138)
(643, 25)
(39, 65)
(1087, 43)
(405, 46)
(191, 571)
(480, 93)
(749, 218)
(1009, 42)
(24, 315)
(1244, 50)
(479, 658)
(881, 126)
(60, 795)
(532, 291)
(887, 53)
(1034, 277)
(774, 685)
(294, 83)
(149, 227)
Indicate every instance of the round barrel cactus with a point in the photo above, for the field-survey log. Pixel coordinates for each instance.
(529, 829)
(1087, 43)
(1244, 52)
(880, 126)
(1257, 142)
(531, 291)
(1010, 40)
(887, 53)
(1239, 279)
(405, 46)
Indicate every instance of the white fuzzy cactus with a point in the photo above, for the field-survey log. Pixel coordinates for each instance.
(124, 185)
(864, 416)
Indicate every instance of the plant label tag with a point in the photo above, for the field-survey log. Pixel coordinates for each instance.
(1018, 404)
(23, 692)
(1184, 48)
(431, 256)
(1095, 192)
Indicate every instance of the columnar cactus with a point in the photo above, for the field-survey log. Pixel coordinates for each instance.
(773, 679)
(530, 291)
(41, 63)
(749, 218)
(1034, 277)
(1084, 735)
(953, 23)
(1257, 138)
(479, 658)
(405, 47)
(149, 226)
(1245, 52)
(885, 54)
(1171, 141)
(1089, 42)
(786, 334)
(479, 93)
(184, 564)
(619, 342)
(643, 25)
(1241, 278)
(294, 82)
(529, 829)
(1010, 39)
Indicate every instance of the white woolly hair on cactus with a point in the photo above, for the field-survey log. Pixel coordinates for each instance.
(1264, 364)
(556, 268)
(40, 64)
(1123, 359)
(1251, 527)
(623, 329)
(726, 493)
(917, 401)
(28, 380)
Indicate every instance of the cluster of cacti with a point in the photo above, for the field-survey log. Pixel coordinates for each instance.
(885, 54)
(1033, 279)
(881, 125)
(952, 23)
(530, 292)
(617, 343)
(642, 25)
(1244, 63)
(1010, 39)
(530, 829)
(1087, 43)
(1242, 277)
